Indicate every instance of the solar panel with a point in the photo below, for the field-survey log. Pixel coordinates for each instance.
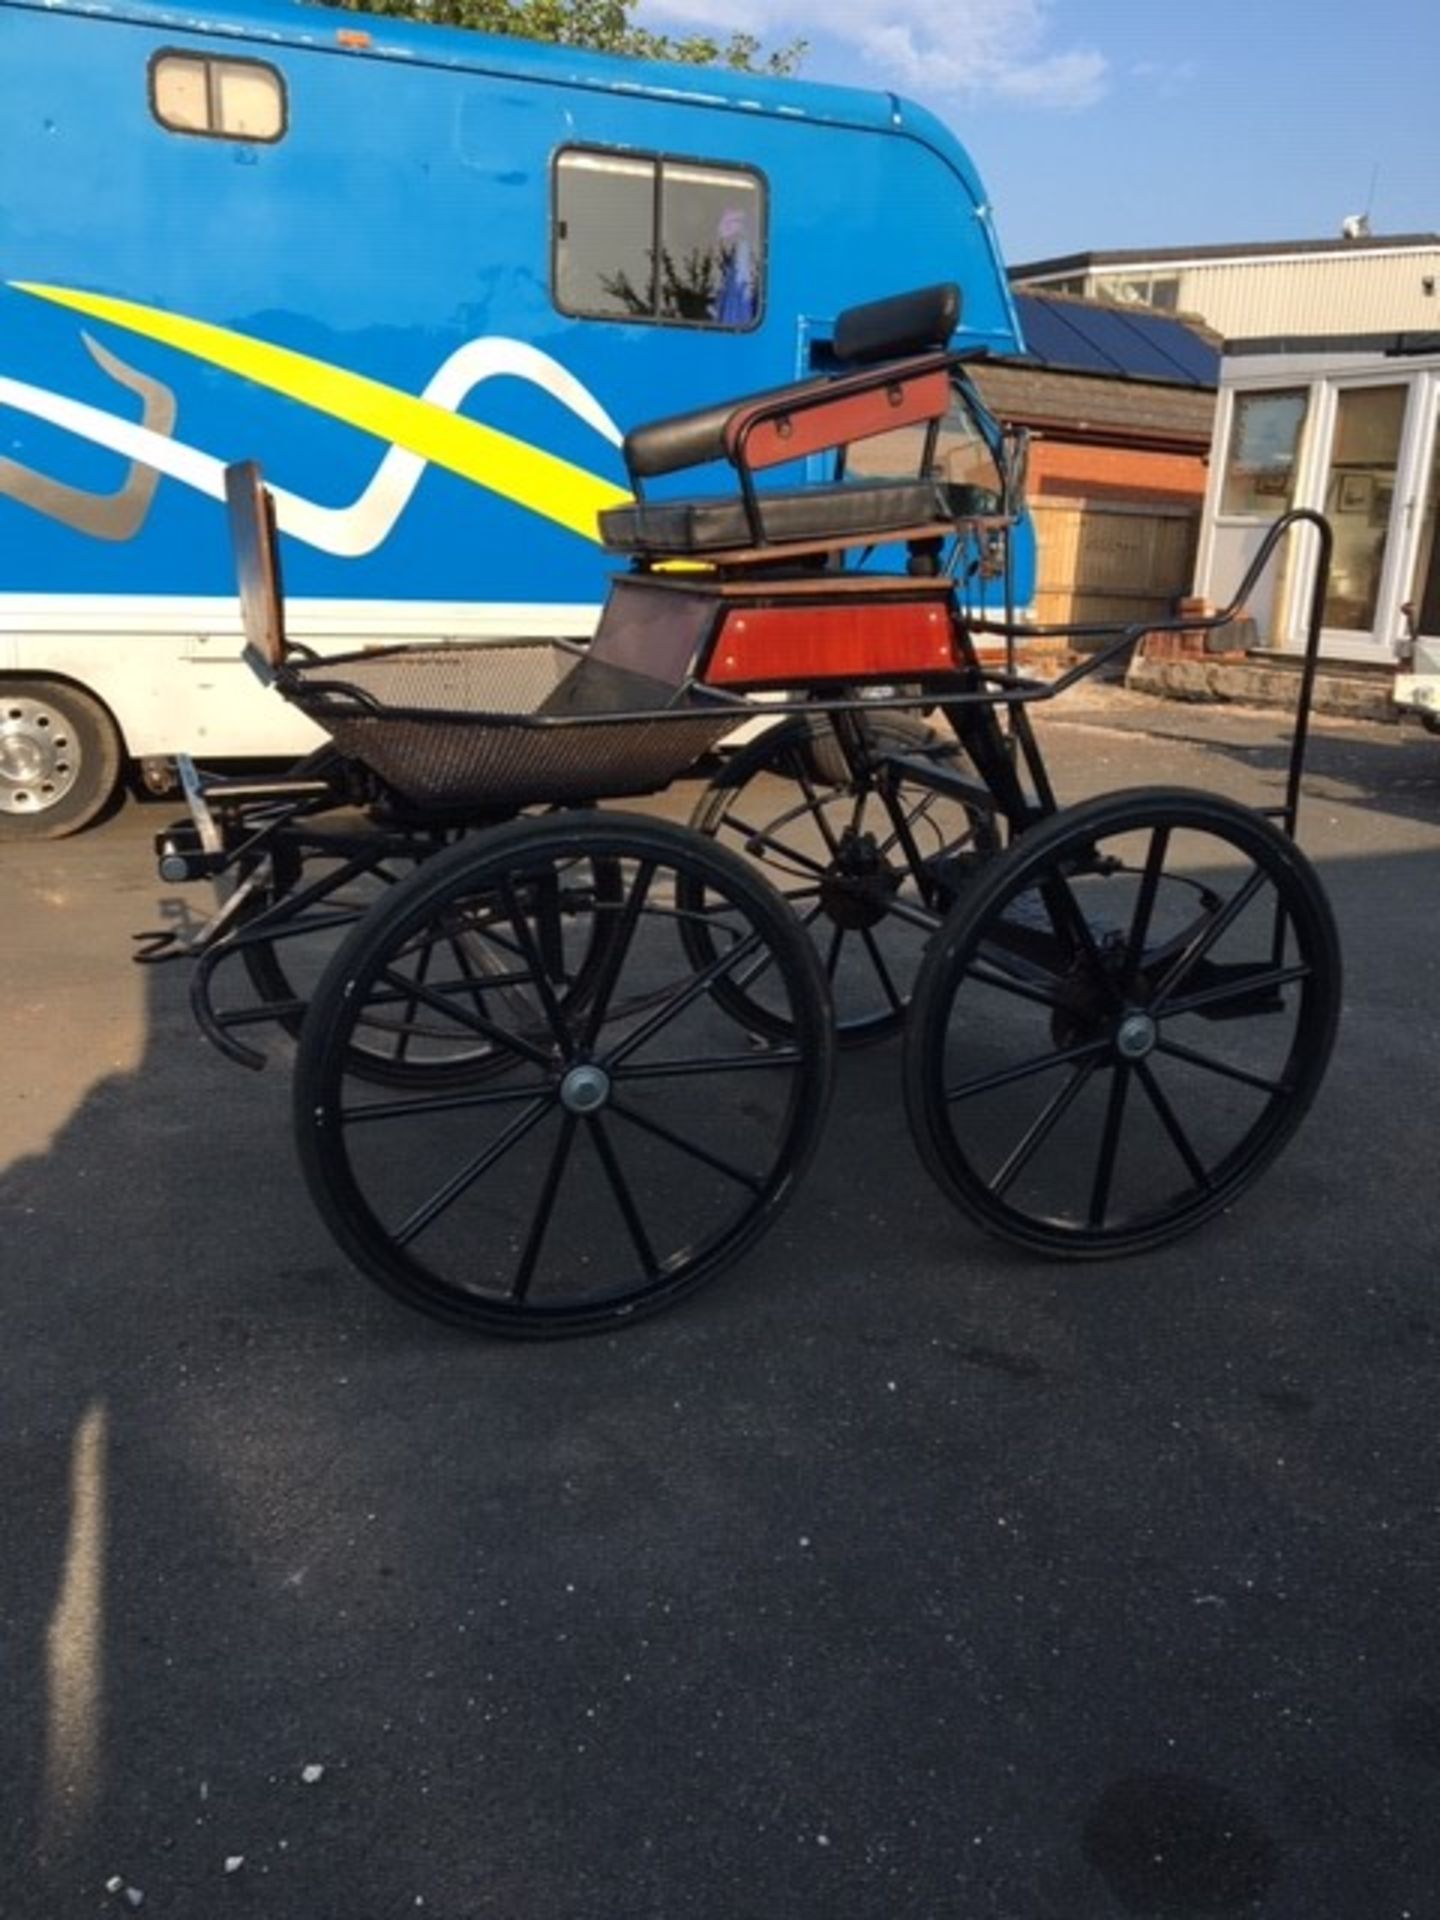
(1055, 342)
(1085, 337)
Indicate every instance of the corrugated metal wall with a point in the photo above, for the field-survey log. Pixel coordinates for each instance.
(1374, 293)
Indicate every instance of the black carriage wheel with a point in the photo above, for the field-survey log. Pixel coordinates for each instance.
(628, 1142)
(1123, 1023)
(868, 861)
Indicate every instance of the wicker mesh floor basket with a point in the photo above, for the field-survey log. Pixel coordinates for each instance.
(517, 725)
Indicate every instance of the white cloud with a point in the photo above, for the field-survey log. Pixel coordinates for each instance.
(960, 48)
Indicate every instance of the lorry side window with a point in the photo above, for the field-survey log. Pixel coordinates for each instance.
(227, 99)
(676, 241)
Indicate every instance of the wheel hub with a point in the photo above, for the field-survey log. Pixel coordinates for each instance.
(857, 890)
(38, 763)
(584, 1089)
(1136, 1036)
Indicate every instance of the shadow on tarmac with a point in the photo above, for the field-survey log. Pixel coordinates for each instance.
(895, 1574)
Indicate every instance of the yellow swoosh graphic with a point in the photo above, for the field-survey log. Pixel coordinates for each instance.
(527, 475)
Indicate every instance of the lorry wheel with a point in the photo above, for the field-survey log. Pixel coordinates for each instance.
(59, 759)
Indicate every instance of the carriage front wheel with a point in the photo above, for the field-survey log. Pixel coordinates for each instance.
(627, 1140)
(1122, 1022)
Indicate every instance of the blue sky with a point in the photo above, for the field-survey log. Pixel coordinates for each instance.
(1115, 123)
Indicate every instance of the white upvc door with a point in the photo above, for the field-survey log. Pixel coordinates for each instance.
(1366, 472)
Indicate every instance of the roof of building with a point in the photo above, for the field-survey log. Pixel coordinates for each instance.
(1092, 371)
(1238, 250)
(1078, 407)
(1392, 345)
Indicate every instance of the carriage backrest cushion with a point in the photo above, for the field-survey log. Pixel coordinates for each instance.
(694, 439)
(906, 323)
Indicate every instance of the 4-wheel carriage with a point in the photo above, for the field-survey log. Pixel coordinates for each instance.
(560, 1061)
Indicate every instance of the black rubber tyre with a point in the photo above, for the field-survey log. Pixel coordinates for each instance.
(903, 732)
(1123, 1022)
(628, 1142)
(836, 850)
(60, 759)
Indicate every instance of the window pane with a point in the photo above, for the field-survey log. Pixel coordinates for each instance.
(963, 461)
(710, 240)
(1359, 495)
(604, 238)
(252, 101)
(180, 96)
(1425, 589)
(1265, 433)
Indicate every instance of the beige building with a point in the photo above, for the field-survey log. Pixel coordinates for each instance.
(1358, 283)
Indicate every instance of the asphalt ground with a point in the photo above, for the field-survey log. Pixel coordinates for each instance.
(897, 1573)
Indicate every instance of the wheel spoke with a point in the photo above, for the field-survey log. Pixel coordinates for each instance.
(1041, 1128)
(1218, 924)
(1222, 1067)
(872, 947)
(1270, 981)
(686, 996)
(544, 1208)
(531, 947)
(484, 972)
(412, 1005)
(1071, 915)
(750, 1062)
(765, 840)
(989, 976)
(691, 1147)
(832, 955)
(476, 1022)
(425, 1104)
(446, 1196)
(1109, 1150)
(903, 824)
(625, 1199)
(816, 806)
(1179, 1139)
(1042, 1063)
(1145, 905)
(617, 951)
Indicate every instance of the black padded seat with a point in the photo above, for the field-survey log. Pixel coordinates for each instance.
(829, 515)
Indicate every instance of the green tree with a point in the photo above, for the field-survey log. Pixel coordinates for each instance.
(603, 24)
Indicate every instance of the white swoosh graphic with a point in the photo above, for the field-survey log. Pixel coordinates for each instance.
(348, 532)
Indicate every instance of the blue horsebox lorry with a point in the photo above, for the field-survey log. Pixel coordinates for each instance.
(428, 278)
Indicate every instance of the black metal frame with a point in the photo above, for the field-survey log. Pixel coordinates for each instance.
(241, 827)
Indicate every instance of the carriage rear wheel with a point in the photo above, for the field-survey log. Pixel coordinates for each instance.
(1123, 1022)
(626, 1143)
(399, 1041)
(868, 857)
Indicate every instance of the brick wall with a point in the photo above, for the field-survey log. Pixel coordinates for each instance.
(1115, 473)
